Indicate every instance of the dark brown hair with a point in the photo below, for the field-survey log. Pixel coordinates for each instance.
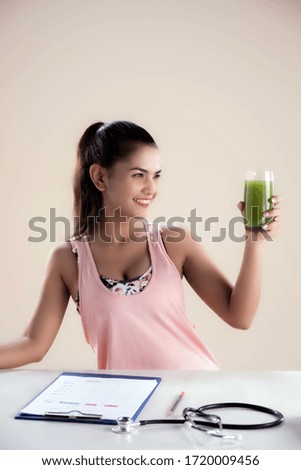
(105, 144)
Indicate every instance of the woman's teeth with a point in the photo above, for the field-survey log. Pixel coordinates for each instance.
(143, 202)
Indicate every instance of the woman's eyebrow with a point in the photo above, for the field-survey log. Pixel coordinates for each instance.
(143, 170)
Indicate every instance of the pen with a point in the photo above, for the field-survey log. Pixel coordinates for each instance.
(174, 406)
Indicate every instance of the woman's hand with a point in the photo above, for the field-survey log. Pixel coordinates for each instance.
(271, 228)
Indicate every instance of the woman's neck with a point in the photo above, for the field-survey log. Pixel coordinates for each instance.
(117, 232)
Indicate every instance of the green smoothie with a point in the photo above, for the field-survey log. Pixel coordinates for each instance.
(257, 198)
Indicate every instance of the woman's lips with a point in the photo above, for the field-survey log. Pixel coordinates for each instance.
(142, 202)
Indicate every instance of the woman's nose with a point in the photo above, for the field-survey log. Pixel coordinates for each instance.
(150, 186)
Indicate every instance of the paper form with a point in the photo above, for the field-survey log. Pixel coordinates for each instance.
(110, 397)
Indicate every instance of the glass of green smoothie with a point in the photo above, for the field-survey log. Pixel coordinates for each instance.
(259, 189)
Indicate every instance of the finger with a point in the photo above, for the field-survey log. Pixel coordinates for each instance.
(268, 228)
(276, 199)
(272, 226)
(272, 213)
(241, 205)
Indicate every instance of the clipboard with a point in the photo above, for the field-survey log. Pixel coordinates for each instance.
(91, 398)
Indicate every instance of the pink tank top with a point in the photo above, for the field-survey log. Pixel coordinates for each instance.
(148, 330)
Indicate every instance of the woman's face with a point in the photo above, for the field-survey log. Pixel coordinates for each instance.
(132, 184)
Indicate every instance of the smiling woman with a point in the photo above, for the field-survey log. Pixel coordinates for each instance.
(144, 202)
(127, 288)
(122, 188)
(107, 164)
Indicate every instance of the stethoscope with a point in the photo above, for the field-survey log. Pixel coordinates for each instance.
(126, 425)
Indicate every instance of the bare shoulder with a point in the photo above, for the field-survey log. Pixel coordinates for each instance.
(61, 254)
(175, 235)
(181, 239)
(176, 240)
(62, 262)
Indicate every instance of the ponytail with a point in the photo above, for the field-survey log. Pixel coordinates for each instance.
(86, 196)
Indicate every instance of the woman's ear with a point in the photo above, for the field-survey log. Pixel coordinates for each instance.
(97, 176)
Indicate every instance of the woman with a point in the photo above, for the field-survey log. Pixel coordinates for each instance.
(125, 274)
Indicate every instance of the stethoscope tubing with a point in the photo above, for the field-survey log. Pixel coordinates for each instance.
(278, 417)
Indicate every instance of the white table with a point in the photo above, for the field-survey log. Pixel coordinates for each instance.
(279, 390)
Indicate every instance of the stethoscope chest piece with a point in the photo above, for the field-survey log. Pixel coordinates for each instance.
(124, 425)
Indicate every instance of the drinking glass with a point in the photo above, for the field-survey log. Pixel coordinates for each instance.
(258, 192)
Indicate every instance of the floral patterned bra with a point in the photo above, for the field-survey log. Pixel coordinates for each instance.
(130, 287)
(123, 287)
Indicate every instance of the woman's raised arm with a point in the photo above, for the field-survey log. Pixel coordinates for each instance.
(235, 304)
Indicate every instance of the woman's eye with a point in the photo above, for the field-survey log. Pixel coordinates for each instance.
(141, 175)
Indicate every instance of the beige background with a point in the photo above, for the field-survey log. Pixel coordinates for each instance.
(217, 83)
